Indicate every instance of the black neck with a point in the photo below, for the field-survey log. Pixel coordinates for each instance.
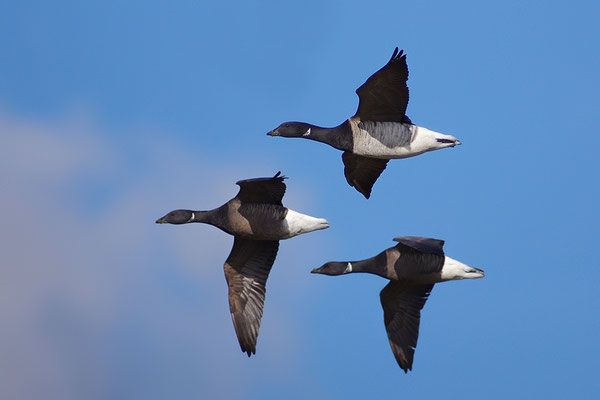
(339, 137)
(205, 217)
(375, 265)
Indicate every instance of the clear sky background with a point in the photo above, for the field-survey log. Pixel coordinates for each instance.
(114, 113)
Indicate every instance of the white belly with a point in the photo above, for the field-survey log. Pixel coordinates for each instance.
(390, 139)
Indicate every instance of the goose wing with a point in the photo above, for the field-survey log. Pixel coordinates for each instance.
(402, 304)
(423, 244)
(384, 96)
(246, 270)
(262, 190)
(362, 172)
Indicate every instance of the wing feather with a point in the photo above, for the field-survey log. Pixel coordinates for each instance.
(246, 270)
(402, 304)
(384, 96)
(262, 190)
(423, 244)
(362, 172)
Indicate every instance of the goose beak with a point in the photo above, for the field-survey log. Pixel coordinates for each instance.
(315, 271)
(273, 133)
(161, 221)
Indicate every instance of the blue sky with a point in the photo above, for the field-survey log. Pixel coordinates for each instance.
(112, 114)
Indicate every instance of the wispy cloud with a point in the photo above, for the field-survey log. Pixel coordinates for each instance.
(99, 301)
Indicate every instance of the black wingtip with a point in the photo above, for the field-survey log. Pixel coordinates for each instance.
(364, 191)
(397, 55)
(279, 176)
(248, 350)
(405, 365)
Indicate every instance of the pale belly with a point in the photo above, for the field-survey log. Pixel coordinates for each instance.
(388, 140)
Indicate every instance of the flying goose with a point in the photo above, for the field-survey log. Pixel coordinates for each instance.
(413, 266)
(378, 132)
(257, 220)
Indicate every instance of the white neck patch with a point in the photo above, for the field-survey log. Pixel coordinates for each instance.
(348, 269)
(192, 218)
(306, 133)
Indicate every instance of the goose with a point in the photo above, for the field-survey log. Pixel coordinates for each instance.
(413, 266)
(257, 220)
(378, 132)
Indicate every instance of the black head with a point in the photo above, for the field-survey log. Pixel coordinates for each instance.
(177, 217)
(292, 129)
(333, 268)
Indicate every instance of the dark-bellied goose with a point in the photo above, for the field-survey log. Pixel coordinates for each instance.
(413, 266)
(378, 132)
(257, 220)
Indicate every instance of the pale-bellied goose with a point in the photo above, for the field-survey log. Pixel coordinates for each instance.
(257, 220)
(378, 132)
(413, 266)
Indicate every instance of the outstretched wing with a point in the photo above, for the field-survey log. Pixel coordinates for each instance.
(262, 190)
(423, 244)
(362, 172)
(402, 306)
(384, 96)
(246, 270)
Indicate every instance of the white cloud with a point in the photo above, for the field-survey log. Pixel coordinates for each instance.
(98, 301)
